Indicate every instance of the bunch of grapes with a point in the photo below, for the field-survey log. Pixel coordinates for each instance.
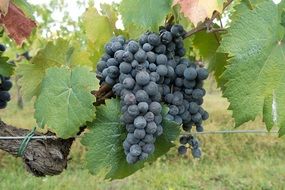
(147, 73)
(5, 86)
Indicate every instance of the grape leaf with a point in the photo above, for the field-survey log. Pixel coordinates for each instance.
(133, 31)
(76, 56)
(105, 155)
(53, 54)
(4, 4)
(66, 102)
(5, 68)
(207, 45)
(97, 27)
(111, 13)
(80, 58)
(198, 10)
(256, 72)
(147, 14)
(16, 24)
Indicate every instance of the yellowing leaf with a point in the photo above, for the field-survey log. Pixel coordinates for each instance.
(97, 27)
(58, 53)
(99, 30)
(76, 56)
(54, 54)
(110, 12)
(198, 10)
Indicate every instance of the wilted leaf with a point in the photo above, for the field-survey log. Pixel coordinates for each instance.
(16, 24)
(198, 10)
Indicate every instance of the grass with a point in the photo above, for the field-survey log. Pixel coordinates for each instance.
(232, 161)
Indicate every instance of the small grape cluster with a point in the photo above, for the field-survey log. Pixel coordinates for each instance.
(146, 73)
(5, 86)
(192, 143)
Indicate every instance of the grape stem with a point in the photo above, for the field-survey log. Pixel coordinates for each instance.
(207, 24)
(103, 90)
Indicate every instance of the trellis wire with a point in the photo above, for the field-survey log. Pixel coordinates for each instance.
(23, 137)
(193, 133)
(233, 132)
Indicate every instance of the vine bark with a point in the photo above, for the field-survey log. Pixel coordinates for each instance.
(41, 157)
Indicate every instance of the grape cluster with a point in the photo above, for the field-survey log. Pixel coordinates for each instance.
(144, 74)
(192, 143)
(5, 86)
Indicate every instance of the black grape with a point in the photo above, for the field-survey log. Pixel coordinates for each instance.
(154, 39)
(182, 149)
(183, 140)
(147, 47)
(2, 48)
(202, 73)
(6, 85)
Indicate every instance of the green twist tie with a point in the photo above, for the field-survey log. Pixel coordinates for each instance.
(25, 142)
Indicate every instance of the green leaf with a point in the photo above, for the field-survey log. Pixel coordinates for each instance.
(147, 14)
(105, 154)
(5, 68)
(66, 102)
(97, 27)
(256, 74)
(207, 45)
(53, 54)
